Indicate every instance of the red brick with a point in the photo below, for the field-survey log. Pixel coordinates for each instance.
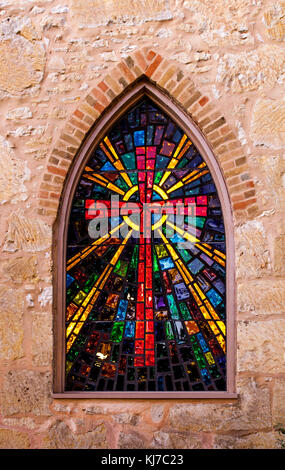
(237, 197)
(99, 107)
(56, 171)
(150, 55)
(100, 96)
(78, 113)
(203, 101)
(240, 161)
(102, 85)
(180, 87)
(69, 139)
(140, 59)
(126, 71)
(215, 125)
(153, 66)
(250, 184)
(243, 204)
(43, 194)
(55, 195)
(249, 194)
(225, 129)
(79, 124)
(46, 203)
(53, 160)
(79, 134)
(196, 95)
(47, 177)
(228, 165)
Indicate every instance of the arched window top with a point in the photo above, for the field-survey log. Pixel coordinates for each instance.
(144, 252)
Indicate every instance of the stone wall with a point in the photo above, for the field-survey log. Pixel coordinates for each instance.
(61, 64)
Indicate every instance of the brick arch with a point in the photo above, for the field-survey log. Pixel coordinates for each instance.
(177, 84)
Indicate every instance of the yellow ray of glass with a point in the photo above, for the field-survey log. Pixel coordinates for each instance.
(192, 176)
(195, 290)
(78, 321)
(102, 181)
(115, 160)
(205, 247)
(176, 157)
(90, 248)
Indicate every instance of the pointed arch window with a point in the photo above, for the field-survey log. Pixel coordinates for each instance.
(145, 296)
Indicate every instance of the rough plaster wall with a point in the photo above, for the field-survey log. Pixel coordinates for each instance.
(50, 54)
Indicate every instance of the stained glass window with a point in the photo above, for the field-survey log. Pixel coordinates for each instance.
(145, 264)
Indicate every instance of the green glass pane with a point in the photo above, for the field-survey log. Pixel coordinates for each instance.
(185, 311)
(158, 176)
(122, 184)
(169, 330)
(133, 178)
(129, 160)
(173, 307)
(196, 221)
(117, 332)
(198, 353)
(182, 162)
(121, 268)
(155, 262)
(185, 254)
(90, 282)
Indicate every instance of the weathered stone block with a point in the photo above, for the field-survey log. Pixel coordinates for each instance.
(259, 440)
(96, 12)
(21, 269)
(222, 23)
(251, 411)
(127, 418)
(10, 439)
(22, 57)
(170, 439)
(26, 234)
(157, 412)
(268, 123)
(26, 392)
(11, 323)
(279, 254)
(261, 346)
(13, 174)
(133, 440)
(252, 70)
(252, 250)
(278, 406)
(42, 339)
(60, 436)
(23, 112)
(269, 173)
(269, 301)
(274, 20)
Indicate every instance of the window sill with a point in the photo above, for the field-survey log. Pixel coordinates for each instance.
(148, 395)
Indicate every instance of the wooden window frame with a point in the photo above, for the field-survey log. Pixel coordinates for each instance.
(116, 110)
